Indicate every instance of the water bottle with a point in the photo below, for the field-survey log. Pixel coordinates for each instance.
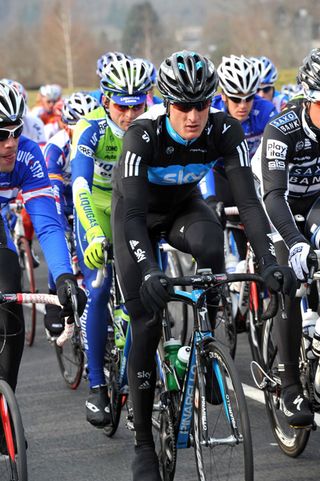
(171, 348)
(309, 319)
(182, 361)
(316, 339)
(119, 337)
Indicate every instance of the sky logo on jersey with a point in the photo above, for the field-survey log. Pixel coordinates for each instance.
(288, 122)
(177, 174)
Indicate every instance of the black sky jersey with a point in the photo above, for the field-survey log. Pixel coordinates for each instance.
(157, 172)
(290, 163)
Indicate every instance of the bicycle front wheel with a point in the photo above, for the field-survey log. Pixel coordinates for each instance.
(28, 285)
(13, 457)
(111, 371)
(221, 428)
(71, 359)
(291, 441)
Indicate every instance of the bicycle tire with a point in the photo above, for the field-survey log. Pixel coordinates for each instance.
(111, 371)
(230, 456)
(178, 311)
(291, 441)
(13, 466)
(70, 358)
(28, 285)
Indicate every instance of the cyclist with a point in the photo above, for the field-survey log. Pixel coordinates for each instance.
(266, 89)
(290, 174)
(165, 154)
(33, 127)
(102, 63)
(152, 99)
(48, 95)
(96, 146)
(22, 167)
(57, 156)
(239, 79)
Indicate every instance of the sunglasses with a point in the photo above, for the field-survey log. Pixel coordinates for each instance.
(265, 90)
(123, 108)
(188, 106)
(5, 134)
(238, 100)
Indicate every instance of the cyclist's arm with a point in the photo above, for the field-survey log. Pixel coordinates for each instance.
(85, 140)
(134, 177)
(39, 201)
(275, 179)
(238, 170)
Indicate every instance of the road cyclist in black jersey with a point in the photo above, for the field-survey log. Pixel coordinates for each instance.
(166, 152)
(289, 166)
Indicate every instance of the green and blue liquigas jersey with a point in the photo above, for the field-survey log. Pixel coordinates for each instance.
(96, 147)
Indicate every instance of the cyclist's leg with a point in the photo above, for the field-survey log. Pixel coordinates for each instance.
(199, 232)
(94, 325)
(11, 318)
(288, 338)
(141, 365)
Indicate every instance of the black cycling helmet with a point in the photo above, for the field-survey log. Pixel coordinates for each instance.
(12, 105)
(187, 77)
(309, 75)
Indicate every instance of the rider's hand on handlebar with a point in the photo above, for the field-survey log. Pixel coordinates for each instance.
(63, 291)
(280, 278)
(302, 258)
(155, 290)
(94, 253)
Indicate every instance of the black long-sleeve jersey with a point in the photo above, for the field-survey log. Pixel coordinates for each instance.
(290, 163)
(158, 171)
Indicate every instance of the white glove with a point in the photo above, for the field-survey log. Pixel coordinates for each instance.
(298, 256)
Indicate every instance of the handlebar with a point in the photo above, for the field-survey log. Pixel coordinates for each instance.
(102, 272)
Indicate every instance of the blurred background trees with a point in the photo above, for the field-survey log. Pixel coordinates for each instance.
(59, 41)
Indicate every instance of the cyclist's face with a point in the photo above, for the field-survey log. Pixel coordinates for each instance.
(8, 152)
(47, 104)
(266, 92)
(189, 125)
(239, 111)
(123, 116)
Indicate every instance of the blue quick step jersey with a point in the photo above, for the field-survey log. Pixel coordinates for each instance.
(30, 176)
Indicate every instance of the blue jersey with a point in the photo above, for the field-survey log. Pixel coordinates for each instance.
(97, 94)
(30, 176)
(253, 127)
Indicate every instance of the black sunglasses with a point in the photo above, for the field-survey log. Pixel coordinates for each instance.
(238, 100)
(265, 90)
(5, 134)
(188, 106)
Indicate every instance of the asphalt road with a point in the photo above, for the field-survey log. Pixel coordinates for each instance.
(64, 447)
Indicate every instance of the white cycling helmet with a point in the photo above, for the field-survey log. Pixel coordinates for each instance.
(51, 91)
(108, 57)
(238, 75)
(126, 81)
(76, 106)
(12, 105)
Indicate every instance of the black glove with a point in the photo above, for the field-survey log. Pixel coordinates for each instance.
(285, 282)
(155, 291)
(64, 295)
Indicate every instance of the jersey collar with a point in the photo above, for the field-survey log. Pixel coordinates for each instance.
(115, 129)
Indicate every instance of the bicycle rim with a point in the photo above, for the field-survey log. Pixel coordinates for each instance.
(178, 311)
(291, 441)
(71, 360)
(28, 285)
(226, 453)
(13, 458)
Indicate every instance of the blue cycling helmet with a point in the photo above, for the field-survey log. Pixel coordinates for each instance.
(187, 77)
(269, 73)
